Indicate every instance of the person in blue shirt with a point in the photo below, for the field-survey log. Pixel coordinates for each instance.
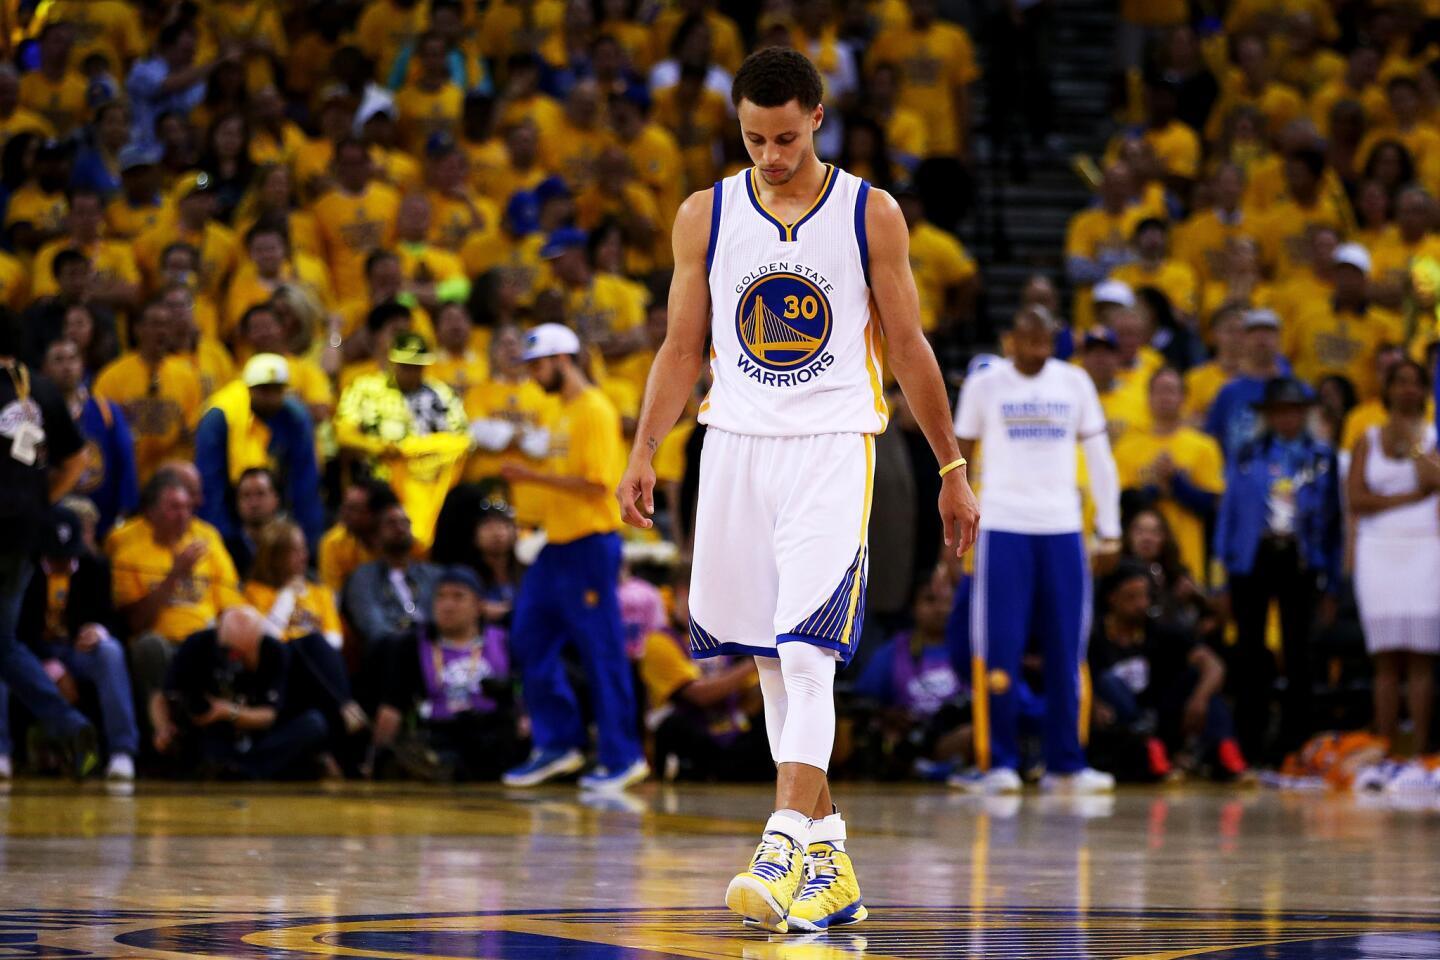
(1279, 535)
(108, 479)
(1233, 419)
(278, 433)
(98, 166)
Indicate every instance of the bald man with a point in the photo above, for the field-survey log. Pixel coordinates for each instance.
(224, 710)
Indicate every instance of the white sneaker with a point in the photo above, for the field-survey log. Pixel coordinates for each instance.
(1001, 780)
(122, 768)
(6, 772)
(1081, 782)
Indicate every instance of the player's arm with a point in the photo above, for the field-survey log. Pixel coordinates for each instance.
(909, 354)
(679, 360)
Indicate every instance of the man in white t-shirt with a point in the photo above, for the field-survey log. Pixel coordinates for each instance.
(1032, 576)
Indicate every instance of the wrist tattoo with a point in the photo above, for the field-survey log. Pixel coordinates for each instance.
(650, 444)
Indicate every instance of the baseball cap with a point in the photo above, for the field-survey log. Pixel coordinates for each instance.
(1101, 337)
(1262, 318)
(134, 155)
(1285, 392)
(1354, 255)
(411, 349)
(550, 340)
(62, 539)
(1114, 291)
(265, 369)
(561, 240)
(550, 188)
(461, 576)
(523, 212)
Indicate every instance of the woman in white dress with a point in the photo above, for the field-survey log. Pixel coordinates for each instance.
(1394, 493)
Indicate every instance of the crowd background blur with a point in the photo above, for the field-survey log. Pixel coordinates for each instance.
(295, 270)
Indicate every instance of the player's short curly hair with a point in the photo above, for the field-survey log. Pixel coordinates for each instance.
(774, 76)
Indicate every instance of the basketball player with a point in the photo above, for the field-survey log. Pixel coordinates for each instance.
(1032, 575)
(794, 269)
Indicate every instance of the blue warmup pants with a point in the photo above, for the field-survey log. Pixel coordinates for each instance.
(1029, 585)
(570, 597)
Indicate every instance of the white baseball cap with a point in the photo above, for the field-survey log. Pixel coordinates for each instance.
(1262, 317)
(550, 340)
(1114, 291)
(1354, 255)
(266, 368)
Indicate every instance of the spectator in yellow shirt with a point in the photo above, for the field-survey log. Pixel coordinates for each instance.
(653, 154)
(13, 117)
(140, 205)
(351, 542)
(1097, 239)
(937, 63)
(40, 202)
(194, 224)
(1204, 382)
(458, 364)
(270, 265)
(1125, 407)
(432, 104)
(509, 395)
(1409, 127)
(116, 280)
(579, 138)
(945, 275)
(1397, 250)
(355, 218)
(159, 393)
(432, 275)
(1175, 145)
(55, 91)
(458, 215)
(697, 116)
(615, 194)
(1201, 240)
(1341, 337)
(1175, 467)
(1252, 84)
(260, 330)
(170, 580)
(384, 29)
(1356, 83)
(1153, 267)
(1284, 228)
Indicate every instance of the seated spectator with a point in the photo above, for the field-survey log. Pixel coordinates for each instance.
(1154, 266)
(924, 721)
(387, 596)
(1341, 336)
(278, 586)
(224, 709)
(171, 579)
(109, 476)
(262, 329)
(251, 423)
(1178, 600)
(1160, 685)
(453, 677)
(69, 619)
(705, 717)
(351, 542)
(257, 505)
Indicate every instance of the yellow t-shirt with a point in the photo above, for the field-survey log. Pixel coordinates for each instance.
(24, 121)
(384, 29)
(340, 555)
(127, 222)
(1177, 147)
(1321, 342)
(314, 610)
(1127, 409)
(509, 27)
(14, 283)
(427, 112)
(45, 211)
(935, 64)
(432, 263)
(585, 442)
(1282, 231)
(1174, 278)
(1391, 256)
(697, 128)
(655, 159)
(571, 152)
(454, 221)
(1198, 456)
(527, 406)
(460, 372)
(1372, 99)
(726, 47)
(669, 460)
(61, 104)
(248, 289)
(1201, 241)
(1094, 232)
(593, 205)
(139, 564)
(219, 252)
(1202, 385)
(107, 27)
(350, 228)
(110, 259)
(1422, 140)
(162, 406)
(665, 668)
(939, 262)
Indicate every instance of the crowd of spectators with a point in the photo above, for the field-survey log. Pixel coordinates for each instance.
(283, 267)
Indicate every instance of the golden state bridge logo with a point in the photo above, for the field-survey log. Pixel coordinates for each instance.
(784, 322)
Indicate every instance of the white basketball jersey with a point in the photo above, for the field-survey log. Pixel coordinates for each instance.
(795, 348)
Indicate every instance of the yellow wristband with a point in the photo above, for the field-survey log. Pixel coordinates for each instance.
(952, 465)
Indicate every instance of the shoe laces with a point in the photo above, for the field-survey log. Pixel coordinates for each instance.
(821, 871)
(773, 857)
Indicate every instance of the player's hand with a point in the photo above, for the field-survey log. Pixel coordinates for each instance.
(638, 487)
(959, 512)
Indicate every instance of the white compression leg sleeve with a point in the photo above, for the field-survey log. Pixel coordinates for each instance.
(808, 735)
(772, 687)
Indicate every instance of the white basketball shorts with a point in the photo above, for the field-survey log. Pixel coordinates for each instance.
(780, 545)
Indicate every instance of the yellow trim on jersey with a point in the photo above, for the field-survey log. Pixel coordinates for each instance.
(873, 363)
(846, 635)
(789, 228)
